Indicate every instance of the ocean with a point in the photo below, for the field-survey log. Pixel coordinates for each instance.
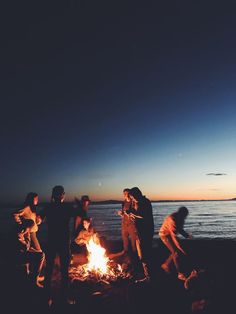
(206, 219)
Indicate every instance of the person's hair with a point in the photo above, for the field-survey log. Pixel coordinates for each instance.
(29, 201)
(27, 223)
(85, 198)
(183, 211)
(126, 190)
(88, 219)
(57, 191)
(136, 193)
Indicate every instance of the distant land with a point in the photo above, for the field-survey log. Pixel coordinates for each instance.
(107, 202)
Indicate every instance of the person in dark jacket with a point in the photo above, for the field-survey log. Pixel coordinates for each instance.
(58, 215)
(27, 254)
(172, 225)
(143, 217)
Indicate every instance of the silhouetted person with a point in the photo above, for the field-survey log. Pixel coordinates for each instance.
(128, 227)
(82, 206)
(172, 225)
(28, 211)
(58, 215)
(26, 254)
(143, 218)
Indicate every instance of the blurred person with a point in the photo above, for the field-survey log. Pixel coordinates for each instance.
(172, 225)
(28, 255)
(28, 211)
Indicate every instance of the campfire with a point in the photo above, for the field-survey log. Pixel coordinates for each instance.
(99, 266)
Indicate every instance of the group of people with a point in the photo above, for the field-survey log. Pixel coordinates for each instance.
(57, 215)
(137, 229)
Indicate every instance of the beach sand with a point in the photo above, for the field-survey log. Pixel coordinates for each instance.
(212, 292)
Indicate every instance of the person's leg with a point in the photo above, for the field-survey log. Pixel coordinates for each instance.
(64, 254)
(146, 246)
(132, 232)
(34, 242)
(50, 258)
(125, 237)
(36, 260)
(174, 253)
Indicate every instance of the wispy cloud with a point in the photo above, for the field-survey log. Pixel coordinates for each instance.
(216, 174)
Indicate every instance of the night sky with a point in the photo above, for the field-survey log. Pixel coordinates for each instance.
(103, 95)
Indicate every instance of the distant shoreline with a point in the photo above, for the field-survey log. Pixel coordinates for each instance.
(108, 202)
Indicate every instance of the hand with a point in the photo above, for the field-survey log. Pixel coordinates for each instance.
(119, 213)
(190, 236)
(132, 217)
(38, 220)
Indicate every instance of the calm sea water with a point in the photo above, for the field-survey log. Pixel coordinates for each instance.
(206, 220)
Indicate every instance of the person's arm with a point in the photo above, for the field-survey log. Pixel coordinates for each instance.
(23, 242)
(77, 222)
(184, 233)
(41, 216)
(80, 239)
(173, 233)
(17, 216)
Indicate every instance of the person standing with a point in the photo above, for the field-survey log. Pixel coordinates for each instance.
(143, 217)
(26, 254)
(58, 215)
(28, 211)
(128, 228)
(172, 225)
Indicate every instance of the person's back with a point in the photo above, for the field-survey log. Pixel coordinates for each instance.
(58, 216)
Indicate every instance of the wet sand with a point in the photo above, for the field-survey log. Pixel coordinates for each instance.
(212, 292)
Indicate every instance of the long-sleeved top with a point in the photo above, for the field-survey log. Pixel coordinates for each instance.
(84, 236)
(145, 225)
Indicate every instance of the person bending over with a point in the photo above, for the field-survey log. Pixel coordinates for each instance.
(172, 225)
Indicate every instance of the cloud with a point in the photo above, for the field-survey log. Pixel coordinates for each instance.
(216, 174)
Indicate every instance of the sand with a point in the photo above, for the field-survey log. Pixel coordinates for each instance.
(212, 292)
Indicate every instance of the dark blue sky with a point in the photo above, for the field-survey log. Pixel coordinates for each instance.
(100, 95)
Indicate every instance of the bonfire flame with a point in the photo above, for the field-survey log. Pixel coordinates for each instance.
(99, 266)
(98, 261)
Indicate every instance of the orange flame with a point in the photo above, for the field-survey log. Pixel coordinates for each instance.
(97, 259)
